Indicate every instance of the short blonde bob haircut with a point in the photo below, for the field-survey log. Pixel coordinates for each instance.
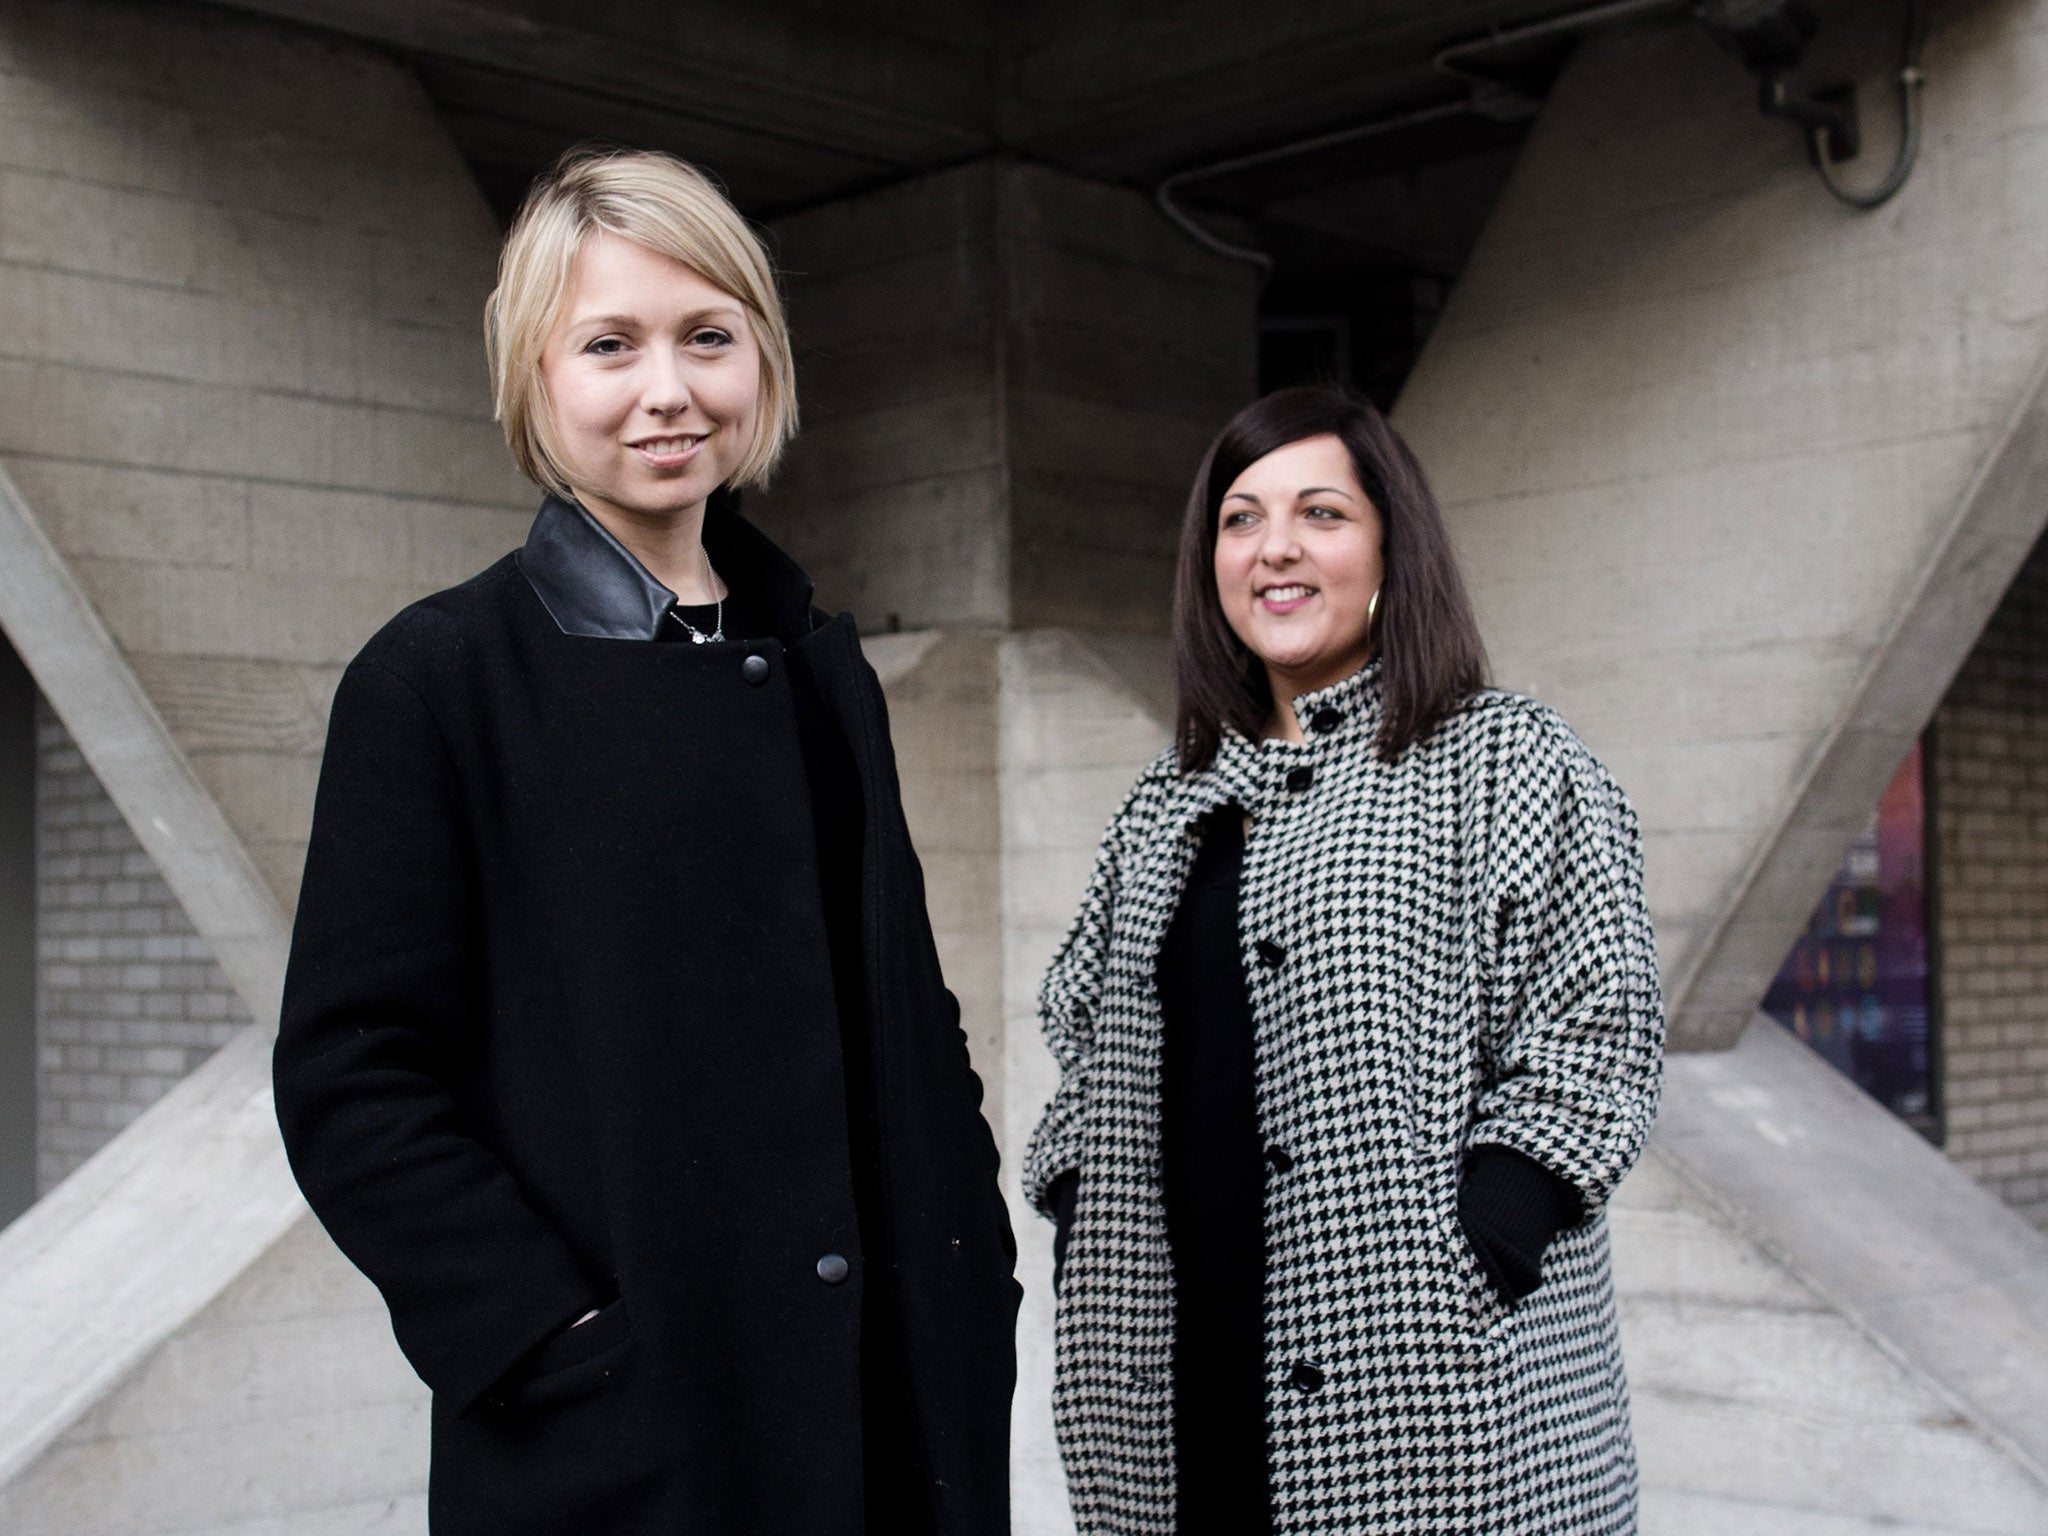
(673, 209)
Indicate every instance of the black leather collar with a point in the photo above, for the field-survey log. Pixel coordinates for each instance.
(591, 584)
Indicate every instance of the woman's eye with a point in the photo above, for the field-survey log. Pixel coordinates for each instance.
(1237, 519)
(711, 338)
(606, 346)
(1325, 514)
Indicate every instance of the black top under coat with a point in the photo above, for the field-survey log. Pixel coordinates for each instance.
(1214, 1178)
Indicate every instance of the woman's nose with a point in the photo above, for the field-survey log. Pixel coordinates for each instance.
(668, 390)
(1279, 547)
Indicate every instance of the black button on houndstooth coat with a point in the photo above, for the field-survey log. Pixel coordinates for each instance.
(1467, 961)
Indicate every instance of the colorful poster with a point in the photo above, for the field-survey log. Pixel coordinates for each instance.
(1855, 985)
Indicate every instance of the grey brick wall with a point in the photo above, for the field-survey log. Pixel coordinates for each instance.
(1990, 784)
(128, 998)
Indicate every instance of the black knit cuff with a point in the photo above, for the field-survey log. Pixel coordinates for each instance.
(1512, 1208)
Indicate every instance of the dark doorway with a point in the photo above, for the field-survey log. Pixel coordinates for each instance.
(17, 936)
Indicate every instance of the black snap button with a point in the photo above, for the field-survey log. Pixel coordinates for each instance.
(1325, 720)
(832, 1268)
(1299, 779)
(1305, 1378)
(755, 669)
(1270, 953)
(1280, 1159)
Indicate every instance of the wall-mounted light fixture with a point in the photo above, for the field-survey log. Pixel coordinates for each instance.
(1770, 37)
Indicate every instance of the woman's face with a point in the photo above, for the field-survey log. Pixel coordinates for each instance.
(654, 376)
(1298, 558)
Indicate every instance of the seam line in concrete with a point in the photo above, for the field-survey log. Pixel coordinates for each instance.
(238, 478)
(241, 389)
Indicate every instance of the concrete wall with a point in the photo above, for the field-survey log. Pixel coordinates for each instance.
(1788, 446)
(1990, 807)
(1008, 377)
(241, 379)
(128, 998)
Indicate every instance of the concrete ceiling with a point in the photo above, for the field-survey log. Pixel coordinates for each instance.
(796, 102)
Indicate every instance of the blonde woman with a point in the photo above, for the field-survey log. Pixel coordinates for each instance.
(615, 1049)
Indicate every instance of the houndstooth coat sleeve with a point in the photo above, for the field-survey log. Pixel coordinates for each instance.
(1441, 952)
(1574, 1011)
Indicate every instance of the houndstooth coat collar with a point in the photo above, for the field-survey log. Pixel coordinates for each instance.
(1442, 952)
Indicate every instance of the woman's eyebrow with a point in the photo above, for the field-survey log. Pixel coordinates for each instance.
(1322, 490)
(633, 322)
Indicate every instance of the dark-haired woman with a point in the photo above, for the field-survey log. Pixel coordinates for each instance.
(1358, 1028)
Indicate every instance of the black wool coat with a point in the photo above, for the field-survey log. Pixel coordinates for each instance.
(560, 1032)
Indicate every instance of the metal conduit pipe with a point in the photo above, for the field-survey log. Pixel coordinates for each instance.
(1909, 82)
(1483, 98)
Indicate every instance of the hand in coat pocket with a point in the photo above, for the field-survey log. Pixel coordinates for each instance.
(1510, 1209)
(579, 1360)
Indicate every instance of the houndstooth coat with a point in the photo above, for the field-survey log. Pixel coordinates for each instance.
(1446, 951)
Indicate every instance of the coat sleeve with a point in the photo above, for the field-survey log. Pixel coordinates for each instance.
(1067, 1003)
(380, 1010)
(1575, 1010)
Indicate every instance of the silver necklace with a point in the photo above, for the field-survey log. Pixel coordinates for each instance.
(697, 636)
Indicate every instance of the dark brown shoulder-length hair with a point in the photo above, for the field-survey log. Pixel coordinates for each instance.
(1432, 660)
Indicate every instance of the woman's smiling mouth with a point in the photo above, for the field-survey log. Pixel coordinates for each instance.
(668, 452)
(1287, 598)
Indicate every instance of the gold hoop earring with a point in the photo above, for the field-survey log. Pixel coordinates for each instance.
(1372, 610)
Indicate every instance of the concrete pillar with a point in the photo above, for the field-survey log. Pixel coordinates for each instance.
(18, 1059)
(1008, 376)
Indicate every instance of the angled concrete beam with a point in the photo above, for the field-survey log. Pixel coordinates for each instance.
(81, 671)
(123, 1253)
(1996, 523)
(110, 1264)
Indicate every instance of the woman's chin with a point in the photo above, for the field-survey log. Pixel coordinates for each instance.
(1301, 660)
(1312, 671)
